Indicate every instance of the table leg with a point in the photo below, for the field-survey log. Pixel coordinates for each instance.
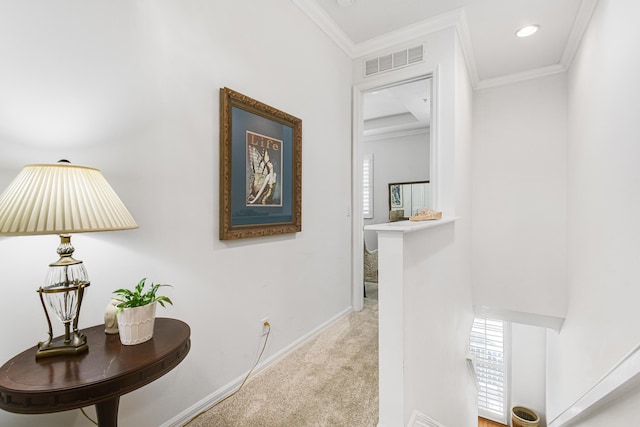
(107, 412)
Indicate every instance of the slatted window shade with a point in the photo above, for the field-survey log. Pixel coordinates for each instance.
(488, 344)
(367, 186)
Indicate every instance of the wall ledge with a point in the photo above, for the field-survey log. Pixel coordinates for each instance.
(410, 226)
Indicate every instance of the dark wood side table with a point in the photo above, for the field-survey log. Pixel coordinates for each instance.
(99, 377)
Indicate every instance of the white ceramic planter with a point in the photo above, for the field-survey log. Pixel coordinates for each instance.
(135, 325)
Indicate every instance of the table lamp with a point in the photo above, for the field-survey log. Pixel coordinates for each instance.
(62, 199)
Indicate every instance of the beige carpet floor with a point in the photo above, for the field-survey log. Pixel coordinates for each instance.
(331, 380)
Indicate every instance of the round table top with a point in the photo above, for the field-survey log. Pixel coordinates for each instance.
(109, 369)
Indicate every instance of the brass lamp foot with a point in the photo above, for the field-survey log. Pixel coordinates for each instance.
(58, 347)
(73, 342)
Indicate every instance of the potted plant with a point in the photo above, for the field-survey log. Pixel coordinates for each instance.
(136, 312)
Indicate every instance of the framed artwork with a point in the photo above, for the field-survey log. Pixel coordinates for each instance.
(395, 193)
(260, 169)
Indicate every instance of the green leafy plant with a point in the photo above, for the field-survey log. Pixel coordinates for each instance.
(128, 298)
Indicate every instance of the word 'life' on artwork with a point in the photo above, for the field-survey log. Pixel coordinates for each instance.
(263, 142)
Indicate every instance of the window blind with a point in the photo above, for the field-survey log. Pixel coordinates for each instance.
(367, 186)
(487, 342)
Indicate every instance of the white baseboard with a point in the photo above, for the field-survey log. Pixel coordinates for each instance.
(418, 419)
(209, 401)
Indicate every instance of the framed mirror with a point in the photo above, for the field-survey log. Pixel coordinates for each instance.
(407, 198)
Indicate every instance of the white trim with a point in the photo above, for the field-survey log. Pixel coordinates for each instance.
(533, 319)
(519, 77)
(407, 226)
(410, 32)
(396, 134)
(434, 139)
(466, 44)
(624, 373)
(587, 7)
(418, 419)
(208, 402)
(357, 221)
(583, 17)
(471, 366)
(327, 25)
(353, 50)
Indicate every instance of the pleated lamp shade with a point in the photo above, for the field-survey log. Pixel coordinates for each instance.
(61, 199)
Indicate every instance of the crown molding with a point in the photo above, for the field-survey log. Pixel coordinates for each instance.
(580, 24)
(587, 7)
(464, 36)
(454, 19)
(395, 134)
(327, 25)
(353, 50)
(519, 77)
(411, 32)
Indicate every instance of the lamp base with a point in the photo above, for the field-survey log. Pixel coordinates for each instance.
(60, 347)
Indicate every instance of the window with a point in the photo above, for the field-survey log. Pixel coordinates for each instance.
(487, 342)
(367, 186)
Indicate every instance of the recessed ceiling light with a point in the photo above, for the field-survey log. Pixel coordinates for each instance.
(527, 31)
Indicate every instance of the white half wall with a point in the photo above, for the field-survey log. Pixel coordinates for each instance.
(601, 325)
(431, 301)
(438, 303)
(132, 88)
(519, 197)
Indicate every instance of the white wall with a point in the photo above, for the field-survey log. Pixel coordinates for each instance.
(438, 311)
(519, 197)
(603, 230)
(132, 89)
(436, 284)
(528, 368)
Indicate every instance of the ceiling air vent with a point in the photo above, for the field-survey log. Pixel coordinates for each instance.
(394, 60)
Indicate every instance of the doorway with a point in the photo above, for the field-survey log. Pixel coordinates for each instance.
(391, 144)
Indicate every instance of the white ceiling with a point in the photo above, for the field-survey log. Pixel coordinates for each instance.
(397, 110)
(486, 29)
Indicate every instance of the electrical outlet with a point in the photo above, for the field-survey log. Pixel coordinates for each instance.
(265, 325)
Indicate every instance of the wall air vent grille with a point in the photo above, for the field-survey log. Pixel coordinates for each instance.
(400, 59)
(416, 54)
(394, 60)
(371, 67)
(386, 63)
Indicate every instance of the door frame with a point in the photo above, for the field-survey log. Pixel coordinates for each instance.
(358, 90)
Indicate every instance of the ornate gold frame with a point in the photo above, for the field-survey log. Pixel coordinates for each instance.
(291, 200)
